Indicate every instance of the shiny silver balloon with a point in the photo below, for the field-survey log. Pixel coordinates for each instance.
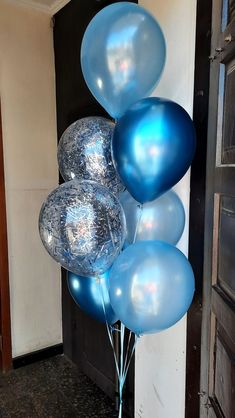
(162, 219)
(82, 226)
(84, 152)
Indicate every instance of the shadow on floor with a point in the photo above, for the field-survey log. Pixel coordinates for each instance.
(52, 388)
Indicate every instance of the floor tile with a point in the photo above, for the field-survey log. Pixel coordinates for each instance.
(53, 388)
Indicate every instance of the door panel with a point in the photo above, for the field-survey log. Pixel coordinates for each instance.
(224, 366)
(197, 204)
(231, 10)
(226, 242)
(218, 335)
(228, 139)
(85, 340)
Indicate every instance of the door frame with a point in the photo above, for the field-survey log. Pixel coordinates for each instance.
(197, 204)
(207, 318)
(5, 320)
(217, 303)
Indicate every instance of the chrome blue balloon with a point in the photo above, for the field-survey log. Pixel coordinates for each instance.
(162, 219)
(151, 286)
(153, 146)
(92, 296)
(122, 56)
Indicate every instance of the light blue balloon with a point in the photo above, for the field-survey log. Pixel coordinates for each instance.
(162, 219)
(151, 286)
(122, 56)
(153, 146)
(92, 296)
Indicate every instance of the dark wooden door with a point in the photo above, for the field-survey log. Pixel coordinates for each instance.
(218, 335)
(5, 323)
(85, 341)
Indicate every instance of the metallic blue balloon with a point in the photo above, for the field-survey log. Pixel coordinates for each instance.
(151, 286)
(91, 295)
(162, 219)
(153, 146)
(82, 226)
(122, 56)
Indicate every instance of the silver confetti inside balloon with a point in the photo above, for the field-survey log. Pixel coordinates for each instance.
(84, 152)
(82, 226)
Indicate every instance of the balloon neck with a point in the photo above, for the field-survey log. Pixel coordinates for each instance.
(98, 279)
(138, 222)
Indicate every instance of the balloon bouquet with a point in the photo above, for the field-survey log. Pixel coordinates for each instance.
(114, 223)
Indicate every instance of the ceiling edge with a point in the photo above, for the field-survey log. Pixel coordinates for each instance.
(51, 10)
(58, 5)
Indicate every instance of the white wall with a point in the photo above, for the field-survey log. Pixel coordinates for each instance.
(27, 90)
(161, 358)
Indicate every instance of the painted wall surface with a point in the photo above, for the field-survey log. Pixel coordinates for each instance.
(161, 358)
(27, 89)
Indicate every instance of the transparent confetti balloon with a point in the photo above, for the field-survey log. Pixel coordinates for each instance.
(82, 226)
(84, 152)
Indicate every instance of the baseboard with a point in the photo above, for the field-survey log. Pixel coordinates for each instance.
(37, 356)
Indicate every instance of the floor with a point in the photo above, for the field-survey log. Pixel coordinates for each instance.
(52, 388)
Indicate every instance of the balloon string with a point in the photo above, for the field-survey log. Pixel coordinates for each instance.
(123, 365)
(110, 230)
(130, 358)
(138, 222)
(124, 370)
(127, 350)
(96, 257)
(110, 335)
(121, 379)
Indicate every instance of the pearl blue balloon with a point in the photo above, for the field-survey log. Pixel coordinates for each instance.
(153, 146)
(122, 56)
(162, 219)
(151, 286)
(91, 295)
